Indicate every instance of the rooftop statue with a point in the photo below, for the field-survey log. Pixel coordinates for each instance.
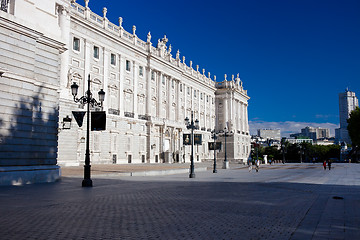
(148, 37)
(120, 22)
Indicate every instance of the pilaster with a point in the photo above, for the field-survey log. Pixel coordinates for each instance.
(106, 77)
(168, 100)
(135, 95)
(160, 97)
(178, 103)
(64, 22)
(121, 85)
(148, 90)
(87, 60)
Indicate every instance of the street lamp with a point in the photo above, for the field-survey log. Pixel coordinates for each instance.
(87, 99)
(191, 125)
(226, 163)
(214, 137)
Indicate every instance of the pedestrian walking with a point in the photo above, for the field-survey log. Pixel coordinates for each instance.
(324, 164)
(329, 164)
(257, 165)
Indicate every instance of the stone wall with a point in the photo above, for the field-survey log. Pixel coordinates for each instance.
(29, 84)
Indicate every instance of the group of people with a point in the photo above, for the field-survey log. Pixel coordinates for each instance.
(328, 164)
(257, 165)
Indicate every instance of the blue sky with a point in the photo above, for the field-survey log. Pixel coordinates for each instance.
(293, 56)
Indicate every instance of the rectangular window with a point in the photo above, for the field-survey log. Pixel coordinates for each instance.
(4, 5)
(188, 90)
(163, 80)
(76, 44)
(152, 75)
(194, 93)
(113, 59)
(201, 97)
(207, 98)
(96, 52)
(128, 66)
(141, 71)
(180, 87)
(172, 84)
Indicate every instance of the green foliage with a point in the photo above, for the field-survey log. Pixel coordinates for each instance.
(305, 152)
(272, 152)
(354, 126)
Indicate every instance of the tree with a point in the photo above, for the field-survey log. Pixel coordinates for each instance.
(354, 127)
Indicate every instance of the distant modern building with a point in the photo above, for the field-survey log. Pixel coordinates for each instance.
(274, 134)
(315, 133)
(298, 141)
(347, 103)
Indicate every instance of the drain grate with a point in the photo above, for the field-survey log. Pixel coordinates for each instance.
(337, 197)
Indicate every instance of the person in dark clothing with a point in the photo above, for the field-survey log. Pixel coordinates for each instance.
(329, 164)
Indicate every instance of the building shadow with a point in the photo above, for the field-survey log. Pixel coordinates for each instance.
(28, 146)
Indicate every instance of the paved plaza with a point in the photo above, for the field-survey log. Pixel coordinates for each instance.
(291, 201)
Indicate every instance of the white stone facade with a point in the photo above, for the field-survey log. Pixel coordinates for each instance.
(148, 94)
(347, 103)
(29, 74)
(150, 89)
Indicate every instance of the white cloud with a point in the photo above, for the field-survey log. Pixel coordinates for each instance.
(289, 127)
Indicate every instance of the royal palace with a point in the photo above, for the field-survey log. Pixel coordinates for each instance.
(47, 46)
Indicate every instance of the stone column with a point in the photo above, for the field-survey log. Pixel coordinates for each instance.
(148, 90)
(178, 104)
(106, 78)
(135, 95)
(159, 81)
(246, 119)
(205, 110)
(64, 22)
(87, 47)
(168, 87)
(121, 85)
(185, 100)
(241, 117)
(226, 110)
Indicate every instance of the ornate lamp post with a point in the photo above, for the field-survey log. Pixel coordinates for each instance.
(214, 137)
(226, 163)
(87, 99)
(191, 125)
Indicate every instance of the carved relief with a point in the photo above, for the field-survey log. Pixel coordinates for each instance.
(128, 96)
(73, 77)
(113, 91)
